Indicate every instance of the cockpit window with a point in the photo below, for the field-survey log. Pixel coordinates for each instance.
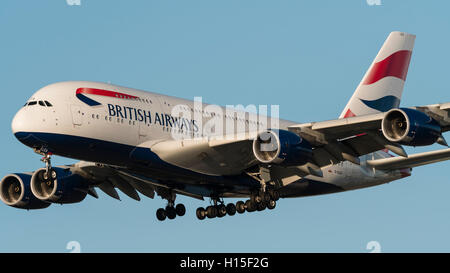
(41, 103)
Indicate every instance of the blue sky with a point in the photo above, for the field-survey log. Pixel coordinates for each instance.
(306, 56)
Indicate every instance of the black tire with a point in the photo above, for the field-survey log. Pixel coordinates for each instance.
(240, 207)
(271, 204)
(161, 214)
(250, 206)
(266, 197)
(221, 211)
(50, 176)
(43, 176)
(211, 212)
(171, 213)
(201, 213)
(231, 209)
(261, 206)
(256, 199)
(53, 174)
(180, 209)
(275, 195)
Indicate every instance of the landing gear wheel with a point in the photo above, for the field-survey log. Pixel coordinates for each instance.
(240, 207)
(201, 213)
(266, 197)
(44, 175)
(231, 209)
(211, 211)
(261, 206)
(180, 210)
(221, 211)
(275, 195)
(256, 199)
(161, 214)
(171, 213)
(250, 206)
(271, 204)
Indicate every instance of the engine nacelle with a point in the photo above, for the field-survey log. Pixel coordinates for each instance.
(61, 187)
(410, 127)
(281, 147)
(15, 191)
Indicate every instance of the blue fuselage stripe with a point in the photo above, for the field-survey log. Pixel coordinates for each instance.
(147, 163)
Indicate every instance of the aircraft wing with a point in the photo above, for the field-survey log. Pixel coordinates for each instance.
(109, 178)
(345, 139)
(415, 160)
(333, 141)
(349, 138)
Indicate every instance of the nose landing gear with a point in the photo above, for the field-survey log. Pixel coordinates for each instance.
(49, 175)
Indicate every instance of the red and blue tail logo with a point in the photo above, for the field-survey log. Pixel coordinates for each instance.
(382, 86)
(82, 92)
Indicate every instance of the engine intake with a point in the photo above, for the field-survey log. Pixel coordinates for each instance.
(15, 192)
(62, 186)
(281, 147)
(410, 127)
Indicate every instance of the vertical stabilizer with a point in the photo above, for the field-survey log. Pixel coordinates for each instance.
(381, 87)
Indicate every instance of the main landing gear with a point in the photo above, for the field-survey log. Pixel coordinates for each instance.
(257, 202)
(171, 211)
(219, 209)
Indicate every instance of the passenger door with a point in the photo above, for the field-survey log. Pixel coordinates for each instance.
(77, 115)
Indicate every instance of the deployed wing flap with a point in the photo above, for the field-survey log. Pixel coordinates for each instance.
(144, 188)
(108, 188)
(411, 161)
(124, 186)
(107, 179)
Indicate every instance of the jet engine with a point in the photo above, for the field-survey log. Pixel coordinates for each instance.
(281, 147)
(60, 186)
(410, 127)
(15, 191)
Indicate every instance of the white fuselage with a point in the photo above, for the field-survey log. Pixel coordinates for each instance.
(131, 117)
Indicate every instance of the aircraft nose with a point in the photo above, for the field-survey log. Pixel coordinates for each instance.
(18, 124)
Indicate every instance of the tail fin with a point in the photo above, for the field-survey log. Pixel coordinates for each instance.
(381, 87)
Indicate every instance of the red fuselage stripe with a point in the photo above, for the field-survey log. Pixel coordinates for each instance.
(106, 93)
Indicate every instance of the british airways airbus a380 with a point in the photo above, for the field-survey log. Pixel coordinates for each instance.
(150, 143)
